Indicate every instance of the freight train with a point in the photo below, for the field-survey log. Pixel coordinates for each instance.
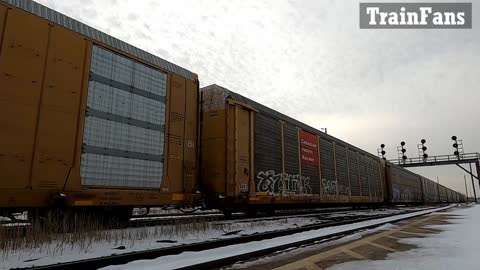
(89, 122)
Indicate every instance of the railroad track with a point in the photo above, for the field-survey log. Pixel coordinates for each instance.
(118, 259)
(172, 220)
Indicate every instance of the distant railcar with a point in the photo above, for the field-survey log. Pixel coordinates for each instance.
(442, 191)
(403, 185)
(430, 190)
(255, 156)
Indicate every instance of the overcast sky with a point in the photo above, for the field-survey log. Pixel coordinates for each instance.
(310, 60)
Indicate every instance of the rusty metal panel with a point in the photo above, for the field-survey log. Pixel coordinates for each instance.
(60, 101)
(230, 151)
(3, 17)
(213, 136)
(353, 171)
(241, 145)
(175, 134)
(76, 26)
(327, 166)
(25, 41)
(190, 145)
(268, 154)
(342, 170)
(123, 140)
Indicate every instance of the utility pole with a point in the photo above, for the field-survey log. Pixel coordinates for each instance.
(473, 183)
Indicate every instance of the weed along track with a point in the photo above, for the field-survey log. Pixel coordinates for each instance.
(232, 237)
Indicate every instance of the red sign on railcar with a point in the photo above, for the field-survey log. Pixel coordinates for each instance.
(308, 148)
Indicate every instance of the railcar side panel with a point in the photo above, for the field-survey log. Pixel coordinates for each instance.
(342, 170)
(90, 119)
(292, 163)
(405, 186)
(25, 41)
(54, 151)
(354, 174)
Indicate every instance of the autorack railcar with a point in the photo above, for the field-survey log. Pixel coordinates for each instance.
(254, 158)
(88, 120)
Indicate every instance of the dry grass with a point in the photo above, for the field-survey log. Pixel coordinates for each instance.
(88, 233)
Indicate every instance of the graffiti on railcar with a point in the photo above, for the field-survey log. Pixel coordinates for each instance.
(282, 183)
(401, 194)
(329, 187)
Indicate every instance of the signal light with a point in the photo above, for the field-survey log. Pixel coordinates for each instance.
(455, 145)
(421, 150)
(381, 151)
(401, 151)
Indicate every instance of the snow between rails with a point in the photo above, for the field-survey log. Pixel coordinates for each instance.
(192, 258)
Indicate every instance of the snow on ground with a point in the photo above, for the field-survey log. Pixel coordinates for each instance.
(63, 248)
(292, 252)
(103, 243)
(191, 258)
(457, 247)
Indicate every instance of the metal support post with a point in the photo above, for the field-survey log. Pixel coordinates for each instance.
(477, 165)
(466, 190)
(473, 183)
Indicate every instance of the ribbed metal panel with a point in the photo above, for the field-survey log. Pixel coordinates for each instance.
(311, 178)
(67, 22)
(364, 175)
(268, 154)
(342, 170)
(353, 170)
(306, 183)
(433, 190)
(371, 178)
(327, 164)
(377, 178)
(279, 116)
(405, 186)
(443, 193)
(290, 139)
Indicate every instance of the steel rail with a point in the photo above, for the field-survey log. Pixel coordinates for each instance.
(118, 259)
